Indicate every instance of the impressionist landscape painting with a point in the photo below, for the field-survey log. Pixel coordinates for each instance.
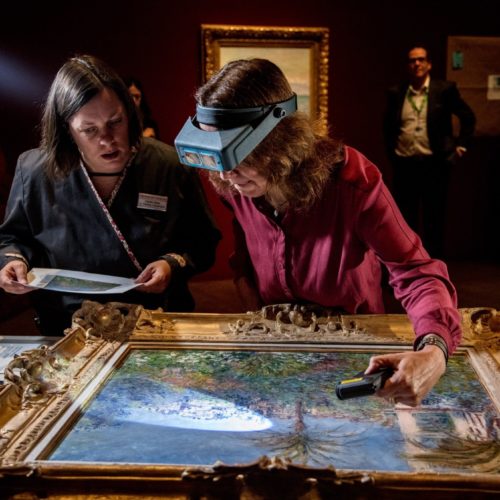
(295, 62)
(197, 406)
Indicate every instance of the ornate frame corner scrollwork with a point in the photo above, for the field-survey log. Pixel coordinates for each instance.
(43, 381)
(111, 321)
(481, 327)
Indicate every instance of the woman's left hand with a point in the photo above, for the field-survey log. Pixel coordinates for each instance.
(415, 374)
(155, 277)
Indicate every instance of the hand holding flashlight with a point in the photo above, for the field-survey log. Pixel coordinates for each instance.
(363, 384)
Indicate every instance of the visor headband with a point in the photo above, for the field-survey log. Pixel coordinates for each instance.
(224, 118)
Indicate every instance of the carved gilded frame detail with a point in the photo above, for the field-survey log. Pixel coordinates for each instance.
(43, 384)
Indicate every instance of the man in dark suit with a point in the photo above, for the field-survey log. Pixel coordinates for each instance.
(420, 143)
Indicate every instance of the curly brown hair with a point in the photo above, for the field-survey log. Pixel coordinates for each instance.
(297, 157)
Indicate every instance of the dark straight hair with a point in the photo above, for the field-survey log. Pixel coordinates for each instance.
(79, 80)
(419, 46)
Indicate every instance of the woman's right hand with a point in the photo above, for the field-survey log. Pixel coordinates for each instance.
(13, 277)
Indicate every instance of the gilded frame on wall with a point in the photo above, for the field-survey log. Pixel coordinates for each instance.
(133, 401)
(302, 53)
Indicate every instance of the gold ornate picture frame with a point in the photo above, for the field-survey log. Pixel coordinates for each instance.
(302, 53)
(133, 401)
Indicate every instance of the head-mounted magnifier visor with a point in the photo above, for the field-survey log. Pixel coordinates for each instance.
(239, 132)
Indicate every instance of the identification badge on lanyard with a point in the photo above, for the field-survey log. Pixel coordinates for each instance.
(152, 202)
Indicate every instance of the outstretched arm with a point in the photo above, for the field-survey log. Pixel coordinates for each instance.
(422, 285)
(16, 239)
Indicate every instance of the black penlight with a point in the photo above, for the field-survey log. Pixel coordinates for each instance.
(363, 384)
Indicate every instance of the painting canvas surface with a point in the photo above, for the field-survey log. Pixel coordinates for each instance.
(197, 406)
(295, 62)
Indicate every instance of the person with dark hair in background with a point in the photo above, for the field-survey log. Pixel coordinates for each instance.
(313, 219)
(97, 197)
(149, 125)
(420, 144)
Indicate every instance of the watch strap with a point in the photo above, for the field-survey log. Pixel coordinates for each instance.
(175, 260)
(432, 339)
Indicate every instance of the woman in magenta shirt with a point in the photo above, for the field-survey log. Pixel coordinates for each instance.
(314, 221)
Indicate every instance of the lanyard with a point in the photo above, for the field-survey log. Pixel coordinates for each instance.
(106, 206)
(423, 102)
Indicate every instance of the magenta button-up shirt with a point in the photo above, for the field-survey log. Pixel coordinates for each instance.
(330, 255)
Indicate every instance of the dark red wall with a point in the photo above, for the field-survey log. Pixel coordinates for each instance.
(159, 41)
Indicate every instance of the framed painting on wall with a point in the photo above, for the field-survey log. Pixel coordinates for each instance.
(302, 53)
(209, 405)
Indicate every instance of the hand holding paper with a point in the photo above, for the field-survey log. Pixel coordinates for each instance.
(60, 280)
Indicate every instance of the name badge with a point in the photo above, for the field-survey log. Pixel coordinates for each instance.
(152, 202)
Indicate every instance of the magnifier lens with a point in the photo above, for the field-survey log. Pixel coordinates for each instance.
(208, 161)
(192, 158)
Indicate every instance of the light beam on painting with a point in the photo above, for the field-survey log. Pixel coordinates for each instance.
(193, 410)
(163, 406)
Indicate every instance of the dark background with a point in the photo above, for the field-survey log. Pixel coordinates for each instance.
(160, 43)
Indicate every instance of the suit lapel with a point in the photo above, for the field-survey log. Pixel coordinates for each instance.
(402, 91)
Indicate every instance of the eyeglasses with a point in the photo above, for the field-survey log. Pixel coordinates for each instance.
(413, 60)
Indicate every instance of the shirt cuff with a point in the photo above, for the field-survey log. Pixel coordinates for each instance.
(16, 256)
(175, 260)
